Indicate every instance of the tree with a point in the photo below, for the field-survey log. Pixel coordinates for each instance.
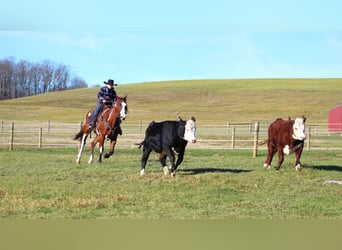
(77, 82)
(25, 78)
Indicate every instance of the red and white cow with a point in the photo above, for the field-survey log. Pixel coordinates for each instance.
(285, 136)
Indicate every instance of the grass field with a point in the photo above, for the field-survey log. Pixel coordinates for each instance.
(216, 184)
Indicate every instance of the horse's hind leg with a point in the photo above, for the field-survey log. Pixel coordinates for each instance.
(101, 145)
(82, 144)
(92, 146)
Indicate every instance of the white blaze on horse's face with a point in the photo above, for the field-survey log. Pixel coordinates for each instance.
(190, 131)
(123, 111)
(299, 129)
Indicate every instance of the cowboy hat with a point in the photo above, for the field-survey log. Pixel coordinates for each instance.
(110, 82)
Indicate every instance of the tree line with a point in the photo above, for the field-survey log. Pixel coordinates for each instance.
(24, 78)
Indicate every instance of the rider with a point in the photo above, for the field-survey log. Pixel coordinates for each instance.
(106, 94)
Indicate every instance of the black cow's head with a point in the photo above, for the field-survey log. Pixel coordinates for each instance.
(190, 129)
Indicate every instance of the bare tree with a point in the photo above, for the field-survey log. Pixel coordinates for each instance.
(25, 78)
(6, 75)
(77, 82)
(36, 77)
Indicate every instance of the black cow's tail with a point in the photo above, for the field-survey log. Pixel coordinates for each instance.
(140, 144)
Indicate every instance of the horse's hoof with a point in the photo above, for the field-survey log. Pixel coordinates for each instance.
(106, 155)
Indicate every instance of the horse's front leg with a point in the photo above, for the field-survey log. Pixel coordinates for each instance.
(111, 149)
(82, 144)
(113, 140)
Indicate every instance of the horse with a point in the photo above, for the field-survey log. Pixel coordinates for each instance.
(107, 126)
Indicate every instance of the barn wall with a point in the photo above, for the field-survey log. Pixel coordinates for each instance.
(335, 119)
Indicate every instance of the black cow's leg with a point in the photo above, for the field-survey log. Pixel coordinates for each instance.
(162, 160)
(280, 158)
(172, 161)
(298, 154)
(179, 159)
(146, 154)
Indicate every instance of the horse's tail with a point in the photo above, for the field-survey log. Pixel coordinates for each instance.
(79, 135)
(140, 144)
(262, 142)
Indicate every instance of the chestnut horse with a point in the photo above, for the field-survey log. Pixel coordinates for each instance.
(107, 126)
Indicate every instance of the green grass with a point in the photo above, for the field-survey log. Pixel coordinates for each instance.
(221, 184)
(210, 101)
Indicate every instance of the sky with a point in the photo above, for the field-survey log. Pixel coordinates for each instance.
(143, 41)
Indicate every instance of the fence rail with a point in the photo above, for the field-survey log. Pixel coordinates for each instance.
(242, 135)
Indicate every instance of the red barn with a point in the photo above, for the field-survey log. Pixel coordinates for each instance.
(335, 119)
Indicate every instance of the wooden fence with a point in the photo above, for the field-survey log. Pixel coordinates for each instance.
(242, 135)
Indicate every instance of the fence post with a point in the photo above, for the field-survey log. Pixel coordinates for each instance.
(308, 145)
(256, 137)
(2, 126)
(11, 136)
(48, 126)
(40, 138)
(233, 137)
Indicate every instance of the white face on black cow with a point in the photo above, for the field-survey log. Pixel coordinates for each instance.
(190, 130)
(299, 129)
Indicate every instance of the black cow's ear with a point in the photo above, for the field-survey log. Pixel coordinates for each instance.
(304, 118)
(193, 118)
(180, 118)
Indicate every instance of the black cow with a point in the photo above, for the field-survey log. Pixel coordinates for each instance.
(168, 138)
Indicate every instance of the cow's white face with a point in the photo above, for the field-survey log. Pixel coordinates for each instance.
(299, 129)
(190, 131)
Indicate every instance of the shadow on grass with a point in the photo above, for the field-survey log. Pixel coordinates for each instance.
(194, 171)
(326, 168)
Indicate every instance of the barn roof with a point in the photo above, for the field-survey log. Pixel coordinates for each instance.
(336, 107)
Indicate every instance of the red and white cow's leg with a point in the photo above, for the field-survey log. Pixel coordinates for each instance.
(298, 154)
(280, 158)
(271, 151)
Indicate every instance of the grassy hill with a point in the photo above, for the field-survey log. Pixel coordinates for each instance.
(210, 101)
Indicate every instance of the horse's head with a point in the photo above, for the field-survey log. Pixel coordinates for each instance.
(122, 101)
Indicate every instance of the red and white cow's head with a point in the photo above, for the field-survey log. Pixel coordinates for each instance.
(299, 129)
